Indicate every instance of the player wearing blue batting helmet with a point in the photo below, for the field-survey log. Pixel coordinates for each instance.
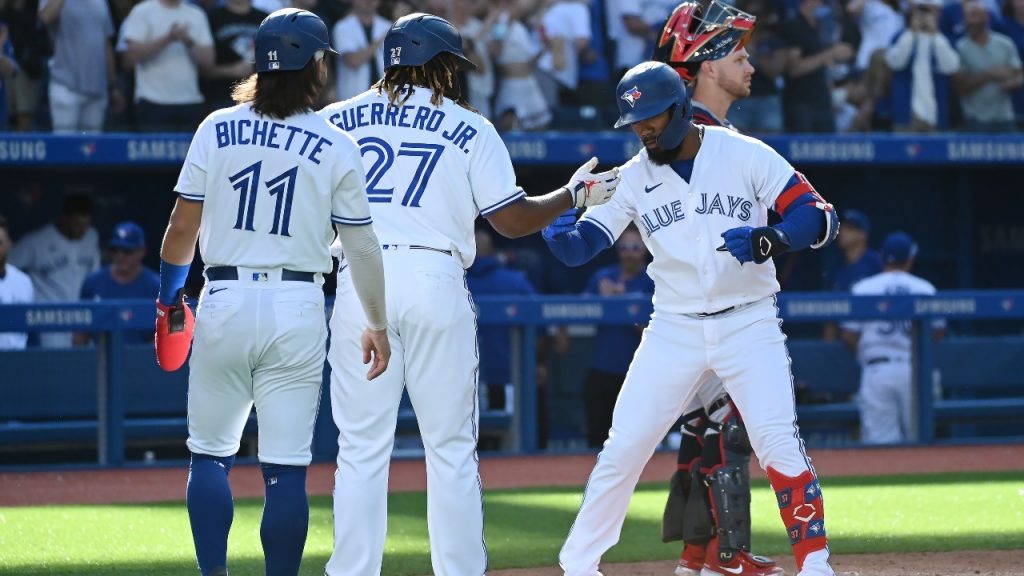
(288, 39)
(650, 89)
(417, 38)
(423, 50)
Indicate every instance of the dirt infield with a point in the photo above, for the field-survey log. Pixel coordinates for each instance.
(967, 563)
(161, 483)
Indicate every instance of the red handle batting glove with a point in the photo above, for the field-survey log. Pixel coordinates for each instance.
(174, 325)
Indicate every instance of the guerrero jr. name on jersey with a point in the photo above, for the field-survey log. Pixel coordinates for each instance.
(667, 214)
(426, 118)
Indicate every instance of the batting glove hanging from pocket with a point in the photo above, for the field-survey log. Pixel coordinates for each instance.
(589, 189)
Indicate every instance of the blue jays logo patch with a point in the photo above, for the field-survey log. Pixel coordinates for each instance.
(812, 491)
(816, 528)
(631, 96)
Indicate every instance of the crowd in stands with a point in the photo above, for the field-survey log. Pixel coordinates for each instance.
(822, 65)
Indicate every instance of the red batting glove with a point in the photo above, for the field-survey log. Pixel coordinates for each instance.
(174, 325)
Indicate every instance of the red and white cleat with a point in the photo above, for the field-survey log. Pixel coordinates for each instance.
(742, 563)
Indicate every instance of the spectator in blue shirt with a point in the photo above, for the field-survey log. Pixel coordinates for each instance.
(124, 278)
(488, 276)
(614, 345)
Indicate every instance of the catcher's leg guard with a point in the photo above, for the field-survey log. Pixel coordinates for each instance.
(698, 524)
(802, 510)
(680, 485)
(729, 486)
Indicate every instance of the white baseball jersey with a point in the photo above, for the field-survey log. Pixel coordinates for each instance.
(888, 338)
(249, 171)
(56, 264)
(15, 288)
(430, 171)
(735, 179)
(678, 220)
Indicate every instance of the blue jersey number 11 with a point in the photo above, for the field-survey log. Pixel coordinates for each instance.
(247, 182)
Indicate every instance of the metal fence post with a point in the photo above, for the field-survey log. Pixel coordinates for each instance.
(528, 392)
(924, 366)
(113, 400)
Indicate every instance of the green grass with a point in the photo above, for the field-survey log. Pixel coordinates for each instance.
(524, 527)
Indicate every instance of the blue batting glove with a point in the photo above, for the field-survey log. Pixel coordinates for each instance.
(737, 243)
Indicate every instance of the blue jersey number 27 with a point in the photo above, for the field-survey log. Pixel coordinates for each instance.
(384, 156)
(247, 181)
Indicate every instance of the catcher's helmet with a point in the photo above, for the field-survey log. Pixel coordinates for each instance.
(694, 33)
(288, 39)
(414, 39)
(648, 89)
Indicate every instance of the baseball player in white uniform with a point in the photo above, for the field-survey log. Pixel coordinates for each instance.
(714, 308)
(433, 164)
(884, 348)
(261, 185)
(705, 44)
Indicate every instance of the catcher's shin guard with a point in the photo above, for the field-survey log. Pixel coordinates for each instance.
(680, 486)
(729, 486)
(802, 510)
(673, 519)
(698, 524)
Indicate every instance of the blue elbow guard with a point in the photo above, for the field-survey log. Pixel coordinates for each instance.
(814, 225)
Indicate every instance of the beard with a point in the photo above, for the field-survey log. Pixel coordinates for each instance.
(661, 157)
(737, 90)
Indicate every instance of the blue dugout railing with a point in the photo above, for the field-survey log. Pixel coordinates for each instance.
(525, 315)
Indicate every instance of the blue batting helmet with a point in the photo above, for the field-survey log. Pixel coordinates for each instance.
(648, 89)
(288, 39)
(414, 39)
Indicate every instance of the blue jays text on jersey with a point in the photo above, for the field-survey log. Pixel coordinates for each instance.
(425, 118)
(246, 132)
(666, 214)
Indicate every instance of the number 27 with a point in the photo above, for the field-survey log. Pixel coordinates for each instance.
(427, 154)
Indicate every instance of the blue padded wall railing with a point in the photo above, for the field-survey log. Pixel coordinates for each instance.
(116, 391)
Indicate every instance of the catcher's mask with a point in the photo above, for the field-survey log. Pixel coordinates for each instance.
(696, 32)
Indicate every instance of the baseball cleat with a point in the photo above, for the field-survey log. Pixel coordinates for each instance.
(742, 563)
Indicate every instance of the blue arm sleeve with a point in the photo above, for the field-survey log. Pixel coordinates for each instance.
(574, 243)
(803, 225)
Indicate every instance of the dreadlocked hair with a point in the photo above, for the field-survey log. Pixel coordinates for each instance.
(440, 74)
